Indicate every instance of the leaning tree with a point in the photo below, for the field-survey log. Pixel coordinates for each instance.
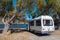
(6, 10)
(11, 14)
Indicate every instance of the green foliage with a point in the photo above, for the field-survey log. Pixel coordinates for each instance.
(4, 3)
(55, 4)
(40, 4)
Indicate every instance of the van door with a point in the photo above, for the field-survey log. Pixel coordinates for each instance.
(38, 25)
(31, 25)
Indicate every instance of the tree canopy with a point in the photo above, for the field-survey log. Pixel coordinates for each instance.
(32, 8)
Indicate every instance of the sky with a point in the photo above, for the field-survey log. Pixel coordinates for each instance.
(14, 4)
(26, 13)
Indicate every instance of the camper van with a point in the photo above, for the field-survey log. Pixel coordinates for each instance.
(42, 24)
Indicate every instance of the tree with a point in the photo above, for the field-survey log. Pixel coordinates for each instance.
(6, 7)
(6, 22)
(56, 5)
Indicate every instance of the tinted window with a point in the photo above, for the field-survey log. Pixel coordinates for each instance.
(31, 23)
(47, 22)
(38, 22)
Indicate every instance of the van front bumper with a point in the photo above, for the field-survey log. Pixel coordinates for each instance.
(46, 32)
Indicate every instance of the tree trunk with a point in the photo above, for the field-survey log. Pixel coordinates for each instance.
(6, 23)
(5, 28)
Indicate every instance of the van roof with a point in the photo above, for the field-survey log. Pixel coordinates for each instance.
(43, 17)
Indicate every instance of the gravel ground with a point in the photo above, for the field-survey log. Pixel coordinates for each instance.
(24, 35)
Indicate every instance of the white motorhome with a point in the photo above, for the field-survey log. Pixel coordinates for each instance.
(42, 24)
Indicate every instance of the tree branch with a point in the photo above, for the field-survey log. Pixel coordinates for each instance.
(12, 18)
(3, 19)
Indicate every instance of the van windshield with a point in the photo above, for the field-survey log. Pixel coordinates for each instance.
(47, 22)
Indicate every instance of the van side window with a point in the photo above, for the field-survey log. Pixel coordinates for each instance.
(31, 23)
(38, 22)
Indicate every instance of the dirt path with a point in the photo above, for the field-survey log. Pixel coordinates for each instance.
(20, 36)
(25, 36)
(17, 36)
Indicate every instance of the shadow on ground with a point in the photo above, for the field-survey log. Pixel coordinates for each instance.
(14, 31)
(17, 31)
(39, 34)
(1, 31)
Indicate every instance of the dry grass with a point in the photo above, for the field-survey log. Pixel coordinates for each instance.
(15, 36)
